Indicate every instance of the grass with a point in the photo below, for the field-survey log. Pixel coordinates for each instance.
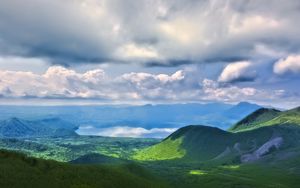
(267, 117)
(231, 167)
(19, 171)
(181, 160)
(166, 150)
(228, 176)
(197, 172)
(204, 144)
(188, 143)
(70, 148)
(245, 176)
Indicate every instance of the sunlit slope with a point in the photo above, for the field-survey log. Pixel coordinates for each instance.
(16, 171)
(168, 149)
(201, 143)
(268, 117)
(191, 142)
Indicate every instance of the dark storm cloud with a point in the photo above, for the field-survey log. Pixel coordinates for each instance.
(154, 33)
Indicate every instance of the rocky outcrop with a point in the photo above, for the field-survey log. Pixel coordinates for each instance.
(266, 148)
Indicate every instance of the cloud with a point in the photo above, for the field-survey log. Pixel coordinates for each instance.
(291, 64)
(214, 91)
(182, 86)
(237, 72)
(60, 82)
(156, 32)
(125, 131)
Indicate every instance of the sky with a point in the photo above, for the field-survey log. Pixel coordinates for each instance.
(154, 51)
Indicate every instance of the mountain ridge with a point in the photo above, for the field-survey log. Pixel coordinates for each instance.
(17, 128)
(267, 117)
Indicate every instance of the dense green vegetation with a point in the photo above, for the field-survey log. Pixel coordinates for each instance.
(32, 172)
(262, 150)
(17, 170)
(207, 144)
(166, 150)
(267, 117)
(267, 155)
(257, 117)
(191, 142)
(96, 158)
(228, 176)
(70, 148)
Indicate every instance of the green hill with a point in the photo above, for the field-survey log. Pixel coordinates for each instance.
(267, 117)
(202, 144)
(257, 117)
(191, 142)
(17, 170)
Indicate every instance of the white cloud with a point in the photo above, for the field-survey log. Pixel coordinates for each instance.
(182, 86)
(291, 64)
(236, 72)
(214, 91)
(60, 82)
(133, 51)
(125, 131)
(138, 78)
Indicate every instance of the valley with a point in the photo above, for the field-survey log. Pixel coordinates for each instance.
(260, 150)
(65, 149)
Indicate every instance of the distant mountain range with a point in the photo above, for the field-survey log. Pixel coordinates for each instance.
(16, 128)
(266, 134)
(147, 116)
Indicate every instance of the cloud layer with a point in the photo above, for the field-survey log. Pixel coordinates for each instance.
(245, 50)
(154, 32)
(181, 86)
(125, 131)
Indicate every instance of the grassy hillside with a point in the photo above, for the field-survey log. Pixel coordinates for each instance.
(16, 170)
(267, 117)
(166, 150)
(191, 142)
(286, 117)
(257, 117)
(193, 156)
(212, 158)
(230, 176)
(203, 144)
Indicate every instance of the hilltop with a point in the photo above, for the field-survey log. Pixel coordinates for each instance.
(267, 117)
